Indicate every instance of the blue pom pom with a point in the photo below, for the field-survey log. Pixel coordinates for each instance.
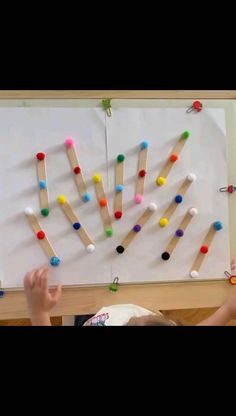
(218, 225)
(43, 185)
(178, 199)
(87, 197)
(144, 144)
(120, 188)
(55, 261)
(76, 225)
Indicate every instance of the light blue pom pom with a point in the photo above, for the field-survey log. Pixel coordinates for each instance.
(55, 261)
(43, 185)
(144, 144)
(218, 225)
(87, 197)
(120, 188)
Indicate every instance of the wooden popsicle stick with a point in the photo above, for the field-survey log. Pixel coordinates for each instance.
(161, 178)
(77, 171)
(142, 170)
(103, 203)
(119, 184)
(216, 226)
(43, 184)
(137, 228)
(44, 242)
(164, 220)
(74, 220)
(179, 233)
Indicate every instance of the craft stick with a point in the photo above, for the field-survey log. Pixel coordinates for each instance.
(41, 235)
(162, 177)
(165, 219)
(142, 171)
(43, 184)
(103, 203)
(74, 220)
(77, 170)
(216, 226)
(137, 228)
(179, 233)
(119, 183)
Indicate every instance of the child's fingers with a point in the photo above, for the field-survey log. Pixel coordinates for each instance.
(28, 280)
(45, 278)
(39, 274)
(56, 293)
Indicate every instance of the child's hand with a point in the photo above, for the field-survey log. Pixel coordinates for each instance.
(40, 299)
(230, 305)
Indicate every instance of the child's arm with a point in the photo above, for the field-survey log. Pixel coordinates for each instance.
(224, 314)
(39, 297)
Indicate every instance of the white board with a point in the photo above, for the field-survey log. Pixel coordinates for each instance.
(25, 131)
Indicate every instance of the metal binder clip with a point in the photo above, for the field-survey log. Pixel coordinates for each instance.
(230, 189)
(114, 286)
(231, 277)
(196, 106)
(107, 106)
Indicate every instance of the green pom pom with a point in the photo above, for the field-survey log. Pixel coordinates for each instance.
(109, 232)
(185, 134)
(45, 212)
(120, 158)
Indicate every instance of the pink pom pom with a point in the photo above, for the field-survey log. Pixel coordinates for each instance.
(70, 142)
(138, 199)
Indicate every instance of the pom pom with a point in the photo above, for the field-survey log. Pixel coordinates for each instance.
(97, 178)
(185, 135)
(120, 158)
(87, 197)
(120, 249)
(145, 144)
(204, 249)
(41, 156)
(45, 212)
(179, 233)
(142, 173)
(62, 199)
(109, 232)
(164, 222)
(90, 248)
(137, 228)
(161, 181)
(118, 214)
(194, 273)
(138, 199)
(41, 235)
(218, 225)
(103, 202)
(191, 177)
(76, 225)
(165, 255)
(193, 211)
(69, 142)
(174, 157)
(42, 184)
(120, 188)
(178, 199)
(55, 261)
(152, 206)
(77, 170)
(28, 211)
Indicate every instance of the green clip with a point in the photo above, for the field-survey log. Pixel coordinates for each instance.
(107, 106)
(114, 286)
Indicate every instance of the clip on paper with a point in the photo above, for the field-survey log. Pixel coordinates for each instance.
(107, 106)
(231, 277)
(230, 189)
(196, 106)
(2, 293)
(114, 286)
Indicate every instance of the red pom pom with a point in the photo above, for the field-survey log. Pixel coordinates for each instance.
(77, 170)
(41, 235)
(118, 214)
(174, 157)
(142, 173)
(40, 156)
(204, 249)
(103, 202)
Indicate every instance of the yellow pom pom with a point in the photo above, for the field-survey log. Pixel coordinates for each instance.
(161, 181)
(62, 199)
(163, 222)
(97, 178)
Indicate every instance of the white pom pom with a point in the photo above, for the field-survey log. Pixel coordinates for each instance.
(193, 211)
(90, 248)
(194, 273)
(152, 206)
(191, 177)
(28, 211)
